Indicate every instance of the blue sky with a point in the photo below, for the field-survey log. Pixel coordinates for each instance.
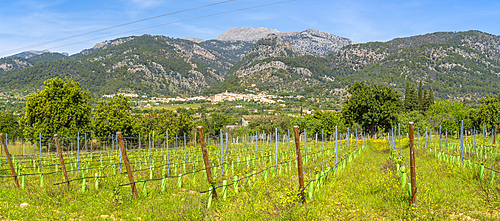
(28, 22)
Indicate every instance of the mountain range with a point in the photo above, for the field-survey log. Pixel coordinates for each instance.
(310, 63)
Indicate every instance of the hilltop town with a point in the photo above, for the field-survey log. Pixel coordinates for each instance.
(221, 97)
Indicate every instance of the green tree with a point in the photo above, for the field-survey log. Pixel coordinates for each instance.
(214, 123)
(308, 122)
(489, 113)
(9, 124)
(431, 97)
(371, 108)
(268, 123)
(475, 117)
(426, 101)
(448, 114)
(416, 117)
(162, 121)
(244, 111)
(465, 102)
(328, 120)
(407, 96)
(411, 98)
(111, 116)
(420, 100)
(62, 108)
(184, 123)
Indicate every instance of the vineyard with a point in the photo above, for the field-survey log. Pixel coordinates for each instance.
(269, 176)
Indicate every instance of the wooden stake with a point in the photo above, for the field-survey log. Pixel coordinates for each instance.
(207, 163)
(10, 160)
(127, 165)
(299, 163)
(412, 165)
(61, 159)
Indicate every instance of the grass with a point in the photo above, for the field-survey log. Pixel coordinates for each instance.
(367, 188)
(372, 190)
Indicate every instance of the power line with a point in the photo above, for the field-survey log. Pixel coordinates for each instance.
(111, 27)
(179, 21)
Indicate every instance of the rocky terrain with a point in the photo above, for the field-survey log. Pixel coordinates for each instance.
(315, 42)
(29, 54)
(310, 63)
(267, 47)
(10, 63)
(247, 34)
(455, 65)
(308, 42)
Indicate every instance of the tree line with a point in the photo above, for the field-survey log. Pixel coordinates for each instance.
(378, 109)
(63, 108)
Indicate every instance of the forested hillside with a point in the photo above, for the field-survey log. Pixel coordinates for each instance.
(454, 65)
(144, 65)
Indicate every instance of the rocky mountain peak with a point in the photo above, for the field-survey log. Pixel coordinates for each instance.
(30, 53)
(246, 34)
(307, 42)
(196, 40)
(316, 42)
(107, 44)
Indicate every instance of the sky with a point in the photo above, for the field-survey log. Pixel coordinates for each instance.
(70, 26)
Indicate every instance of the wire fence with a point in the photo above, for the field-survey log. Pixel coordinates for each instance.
(103, 155)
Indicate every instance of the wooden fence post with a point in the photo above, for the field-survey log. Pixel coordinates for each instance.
(299, 163)
(127, 165)
(412, 165)
(59, 151)
(207, 163)
(10, 160)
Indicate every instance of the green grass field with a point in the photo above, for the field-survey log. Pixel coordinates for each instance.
(366, 186)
